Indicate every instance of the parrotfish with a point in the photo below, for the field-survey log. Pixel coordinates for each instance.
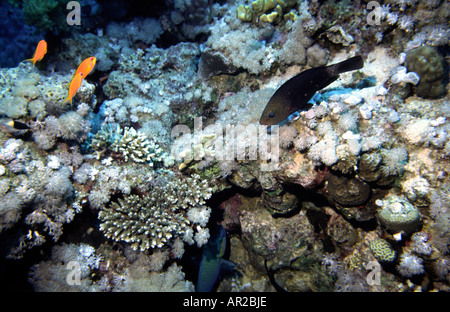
(86, 66)
(41, 50)
(73, 88)
(295, 93)
(213, 263)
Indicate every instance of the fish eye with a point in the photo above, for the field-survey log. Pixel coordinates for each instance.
(271, 114)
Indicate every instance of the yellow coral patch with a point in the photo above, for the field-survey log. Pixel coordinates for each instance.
(244, 13)
(270, 18)
(262, 6)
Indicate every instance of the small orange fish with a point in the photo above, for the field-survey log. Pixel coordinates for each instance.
(41, 50)
(86, 66)
(73, 88)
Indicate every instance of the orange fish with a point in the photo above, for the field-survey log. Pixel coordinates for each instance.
(41, 50)
(73, 88)
(86, 66)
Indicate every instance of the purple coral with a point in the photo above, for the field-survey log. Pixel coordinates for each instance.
(442, 268)
(420, 244)
(439, 204)
(406, 22)
(332, 264)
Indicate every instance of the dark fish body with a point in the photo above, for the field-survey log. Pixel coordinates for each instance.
(295, 93)
(18, 125)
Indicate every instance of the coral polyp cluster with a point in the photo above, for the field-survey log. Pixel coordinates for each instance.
(128, 142)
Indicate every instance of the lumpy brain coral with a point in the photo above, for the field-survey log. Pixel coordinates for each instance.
(429, 65)
(381, 250)
(398, 215)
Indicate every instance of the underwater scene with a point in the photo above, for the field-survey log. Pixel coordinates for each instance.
(225, 146)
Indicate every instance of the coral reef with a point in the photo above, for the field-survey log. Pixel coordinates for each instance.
(146, 30)
(242, 44)
(54, 274)
(44, 188)
(121, 190)
(81, 268)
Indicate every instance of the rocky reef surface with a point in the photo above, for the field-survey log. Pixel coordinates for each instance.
(162, 142)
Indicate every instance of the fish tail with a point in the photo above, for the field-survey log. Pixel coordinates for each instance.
(68, 99)
(352, 63)
(10, 123)
(32, 60)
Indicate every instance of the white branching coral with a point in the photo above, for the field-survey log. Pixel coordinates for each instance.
(325, 150)
(202, 236)
(45, 191)
(52, 274)
(134, 145)
(410, 265)
(199, 215)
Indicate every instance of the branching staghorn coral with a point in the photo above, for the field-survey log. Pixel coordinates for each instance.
(141, 221)
(149, 222)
